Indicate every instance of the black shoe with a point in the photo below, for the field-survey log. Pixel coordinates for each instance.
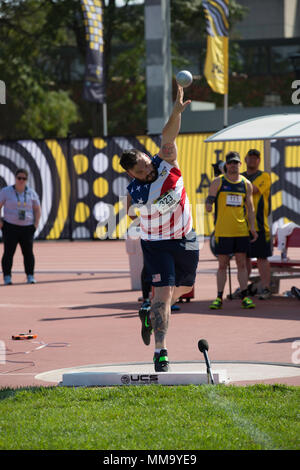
(235, 295)
(252, 288)
(161, 361)
(144, 314)
(296, 292)
(266, 294)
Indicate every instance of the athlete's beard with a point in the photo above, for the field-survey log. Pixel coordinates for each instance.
(152, 176)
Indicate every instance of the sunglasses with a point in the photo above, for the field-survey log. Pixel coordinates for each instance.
(21, 178)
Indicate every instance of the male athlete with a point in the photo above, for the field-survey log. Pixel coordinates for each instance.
(262, 247)
(169, 244)
(232, 195)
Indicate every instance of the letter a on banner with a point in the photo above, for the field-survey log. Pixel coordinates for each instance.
(216, 63)
(94, 86)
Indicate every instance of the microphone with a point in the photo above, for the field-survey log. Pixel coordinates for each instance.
(203, 347)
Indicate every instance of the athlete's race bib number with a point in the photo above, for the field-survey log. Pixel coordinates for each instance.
(166, 202)
(234, 200)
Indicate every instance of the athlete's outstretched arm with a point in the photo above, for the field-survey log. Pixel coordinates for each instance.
(171, 130)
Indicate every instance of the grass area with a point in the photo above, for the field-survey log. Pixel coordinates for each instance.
(150, 417)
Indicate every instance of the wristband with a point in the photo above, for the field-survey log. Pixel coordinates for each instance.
(210, 199)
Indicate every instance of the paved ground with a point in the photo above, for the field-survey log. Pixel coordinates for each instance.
(84, 312)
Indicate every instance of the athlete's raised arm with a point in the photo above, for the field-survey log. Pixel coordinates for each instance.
(171, 130)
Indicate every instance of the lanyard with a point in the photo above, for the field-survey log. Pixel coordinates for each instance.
(18, 197)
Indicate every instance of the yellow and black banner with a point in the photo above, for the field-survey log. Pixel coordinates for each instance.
(216, 62)
(82, 186)
(94, 85)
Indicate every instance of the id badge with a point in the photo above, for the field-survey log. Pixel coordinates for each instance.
(234, 200)
(21, 214)
(166, 202)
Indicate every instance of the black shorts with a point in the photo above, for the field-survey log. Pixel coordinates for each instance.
(261, 248)
(171, 262)
(231, 245)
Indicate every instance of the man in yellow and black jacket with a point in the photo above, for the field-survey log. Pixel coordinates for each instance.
(234, 221)
(262, 247)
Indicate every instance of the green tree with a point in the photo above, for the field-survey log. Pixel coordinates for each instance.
(49, 115)
(30, 37)
(34, 36)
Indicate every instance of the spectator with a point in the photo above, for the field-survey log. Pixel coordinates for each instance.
(22, 213)
(262, 247)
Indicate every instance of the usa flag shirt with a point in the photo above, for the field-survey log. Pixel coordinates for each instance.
(165, 211)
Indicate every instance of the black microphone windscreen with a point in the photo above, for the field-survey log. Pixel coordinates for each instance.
(203, 345)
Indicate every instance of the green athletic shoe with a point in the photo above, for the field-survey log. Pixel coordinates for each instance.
(247, 303)
(161, 361)
(144, 314)
(216, 304)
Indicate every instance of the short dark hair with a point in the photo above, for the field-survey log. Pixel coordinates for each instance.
(254, 152)
(21, 170)
(129, 158)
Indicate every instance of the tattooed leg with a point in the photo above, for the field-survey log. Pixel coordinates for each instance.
(160, 313)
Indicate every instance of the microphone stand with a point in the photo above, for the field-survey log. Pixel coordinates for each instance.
(203, 347)
(210, 378)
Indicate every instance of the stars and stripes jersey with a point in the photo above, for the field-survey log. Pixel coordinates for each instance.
(165, 211)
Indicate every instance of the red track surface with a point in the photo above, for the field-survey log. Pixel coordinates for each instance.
(83, 308)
